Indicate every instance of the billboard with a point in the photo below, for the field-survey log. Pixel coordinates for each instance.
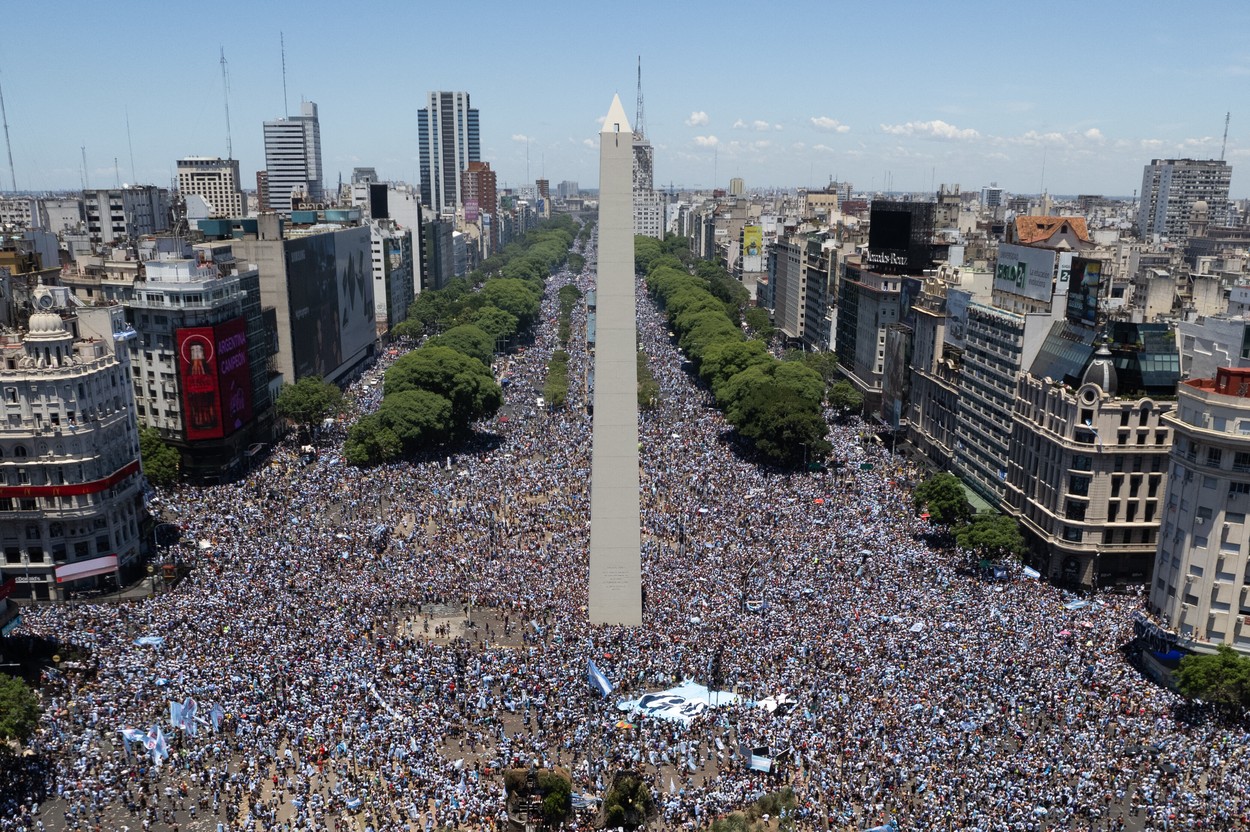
(471, 211)
(1065, 272)
(197, 369)
(957, 317)
(752, 241)
(330, 289)
(900, 236)
(1084, 289)
(234, 374)
(1025, 271)
(909, 293)
(216, 379)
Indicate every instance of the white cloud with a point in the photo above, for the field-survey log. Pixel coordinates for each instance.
(936, 129)
(761, 125)
(739, 124)
(520, 138)
(589, 143)
(1150, 144)
(697, 119)
(823, 148)
(706, 141)
(1094, 134)
(830, 124)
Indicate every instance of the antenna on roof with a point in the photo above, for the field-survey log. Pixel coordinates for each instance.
(131, 145)
(286, 111)
(1223, 146)
(225, 90)
(7, 144)
(86, 183)
(639, 128)
(117, 174)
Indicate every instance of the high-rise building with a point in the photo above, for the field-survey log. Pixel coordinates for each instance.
(293, 159)
(1169, 189)
(1200, 570)
(448, 140)
(737, 187)
(478, 189)
(119, 215)
(214, 180)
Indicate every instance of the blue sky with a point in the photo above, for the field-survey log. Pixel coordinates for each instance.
(1075, 97)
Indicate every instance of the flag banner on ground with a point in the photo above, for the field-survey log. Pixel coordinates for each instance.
(583, 801)
(757, 759)
(1030, 572)
(680, 704)
(597, 680)
(150, 641)
(889, 826)
(1078, 604)
(215, 714)
(175, 714)
(133, 735)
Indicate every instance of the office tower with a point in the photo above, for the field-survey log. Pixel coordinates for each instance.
(615, 539)
(214, 180)
(120, 215)
(448, 140)
(737, 187)
(1169, 189)
(480, 194)
(293, 159)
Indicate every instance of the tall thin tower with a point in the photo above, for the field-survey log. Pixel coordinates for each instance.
(225, 91)
(640, 129)
(9, 147)
(615, 529)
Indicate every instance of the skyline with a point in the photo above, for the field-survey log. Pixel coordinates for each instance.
(907, 96)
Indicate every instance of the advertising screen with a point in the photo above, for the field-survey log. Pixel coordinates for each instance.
(1084, 291)
(314, 305)
(1025, 271)
(354, 272)
(234, 374)
(197, 369)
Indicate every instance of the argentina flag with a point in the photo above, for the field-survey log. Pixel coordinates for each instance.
(597, 680)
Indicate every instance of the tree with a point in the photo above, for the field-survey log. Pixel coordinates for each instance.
(576, 263)
(844, 398)
(725, 359)
(495, 322)
(648, 387)
(308, 401)
(160, 461)
(513, 296)
(464, 381)
(1222, 679)
(784, 426)
(993, 535)
(760, 323)
(370, 442)
(942, 495)
(628, 803)
(470, 340)
(19, 709)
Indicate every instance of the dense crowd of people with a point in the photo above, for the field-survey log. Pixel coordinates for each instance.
(354, 695)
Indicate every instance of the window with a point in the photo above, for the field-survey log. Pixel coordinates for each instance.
(1214, 457)
(1071, 534)
(1113, 512)
(1117, 481)
(1234, 517)
(1083, 462)
(1078, 485)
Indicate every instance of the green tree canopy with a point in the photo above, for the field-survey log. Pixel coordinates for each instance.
(628, 803)
(824, 363)
(844, 398)
(161, 462)
(942, 495)
(725, 359)
(495, 322)
(464, 381)
(515, 297)
(19, 709)
(705, 328)
(470, 340)
(760, 323)
(1222, 679)
(308, 401)
(992, 535)
(782, 424)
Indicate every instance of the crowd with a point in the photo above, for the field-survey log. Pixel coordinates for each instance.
(354, 696)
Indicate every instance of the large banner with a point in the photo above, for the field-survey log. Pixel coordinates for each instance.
(1025, 271)
(680, 704)
(957, 301)
(1084, 291)
(216, 379)
(197, 369)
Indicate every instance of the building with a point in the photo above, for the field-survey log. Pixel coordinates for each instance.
(1169, 189)
(214, 180)
(737, 187)
(394, 286)
(117, 216)
(481, 197)
(1199, 586)
(293, 159)
(567, 190)
(1088, 453)
(648, 204)
(201, 358)
(317, 277)
(71, 505)
(448, 139)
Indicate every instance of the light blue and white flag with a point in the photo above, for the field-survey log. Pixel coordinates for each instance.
(597, 680)
(150, 641)
(132, 735)
(189, 707)
(215, 715)
(175, 714)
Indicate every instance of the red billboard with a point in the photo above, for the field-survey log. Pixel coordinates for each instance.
(216, 379)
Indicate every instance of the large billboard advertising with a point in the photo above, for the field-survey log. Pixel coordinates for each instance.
(330, 286)
(900, 236)
(752, 241)
(1065, 273)
(1025, 271)
(197, 368)
(216, 379)
(234, 374)
(1084, 291)
(957, 317)
(471, 211)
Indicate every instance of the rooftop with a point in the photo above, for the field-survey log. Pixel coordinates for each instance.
(1034, 230)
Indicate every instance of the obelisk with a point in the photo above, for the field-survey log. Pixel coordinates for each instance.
(615, 527)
